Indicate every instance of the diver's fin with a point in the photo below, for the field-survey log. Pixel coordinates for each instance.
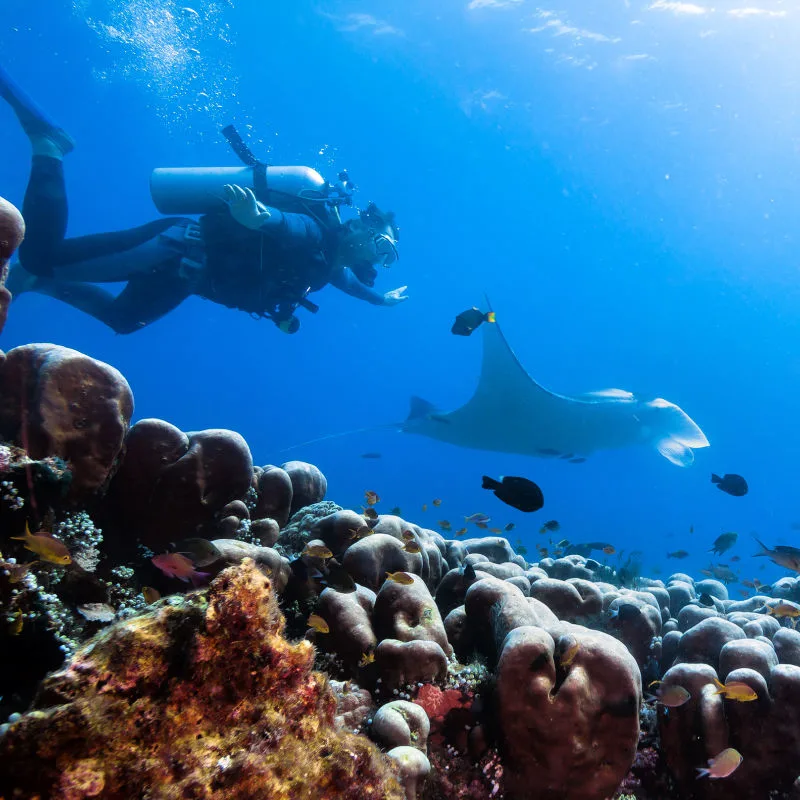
(675, 452)
(34, 121)
(420, 409)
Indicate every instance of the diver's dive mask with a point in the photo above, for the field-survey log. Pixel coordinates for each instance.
(385, 234)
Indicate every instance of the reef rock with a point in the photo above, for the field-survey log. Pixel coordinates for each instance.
(58, 402)
(199, 698)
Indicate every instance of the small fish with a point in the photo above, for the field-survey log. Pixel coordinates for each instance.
(721, 572)
(519, 493)
(551, 525)
(403, 578)
(412, 547)
(408, 536)
(522, 550)
(467, 321)
(783, 555)
(176, 565)
(609, 549)
(691, 529)
(784, 609)
(482, 525)
(316, 622)
(444, 524)
(543, 552)
(424, 506)
(47, 547)
(735, 558)
(678, 554)
(370, 513)
(372, 498)
(673, 696)
(366, 659)
(150, 595)
(317, 551)
(97, 612)
(337, 577)
(731, 484)
(722, 765)
(396, 511)
(724, 543)
(736, 690)
(749, 584)
(706, 600)
(371, 455)
(15, 626)
(744, 593)
(579, 460)
(360, 532)
(757, 583)
(570, 646)
(201, 551)
(17, 572)
(437, 502)
(509, 527)
(477, 518)
(496, 531)
(461, 532)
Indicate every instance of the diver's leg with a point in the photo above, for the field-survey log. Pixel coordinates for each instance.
(46, 137)
(145, 299)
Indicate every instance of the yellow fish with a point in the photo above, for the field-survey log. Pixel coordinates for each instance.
(569, 654)
(47, 547)
(444, 524)
(367, 658)
(722, 765)
(736, 690)
(785, 610)
(403, 578)
(150, 595)
(316, 622)
(372, 498)
(412, 547)
(461, 532)
(317, 551)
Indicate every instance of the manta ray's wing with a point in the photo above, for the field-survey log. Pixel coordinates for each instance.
(510, 412)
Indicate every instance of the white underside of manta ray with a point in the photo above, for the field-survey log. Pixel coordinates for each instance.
(511, 413)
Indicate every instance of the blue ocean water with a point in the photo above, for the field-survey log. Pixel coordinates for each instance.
(620, 177)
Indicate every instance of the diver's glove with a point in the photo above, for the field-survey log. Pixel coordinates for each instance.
(395, 296)
(245, 209)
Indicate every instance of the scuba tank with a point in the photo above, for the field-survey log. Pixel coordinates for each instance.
(198, 190)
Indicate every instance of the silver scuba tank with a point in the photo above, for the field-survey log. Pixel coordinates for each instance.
(198, 190)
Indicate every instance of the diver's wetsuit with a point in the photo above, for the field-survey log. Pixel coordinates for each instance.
(166, 261)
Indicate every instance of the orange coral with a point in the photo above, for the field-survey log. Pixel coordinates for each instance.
(202, 699)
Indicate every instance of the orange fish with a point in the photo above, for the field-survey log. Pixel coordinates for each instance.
(482, 525)
(722, 765)
(408, 536)
(785, 609)
(672, 696)
(403, 578)
(316, 622)
(17, 572)
(367, 658)
(150, 595)
(444, 524)
(461, 532)
(609, 550)
(568, 656)
(736, 690)
(412, 547)
(176, 565)
(47, 547)
(372, 498)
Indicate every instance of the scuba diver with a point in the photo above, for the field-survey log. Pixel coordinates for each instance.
(266, 238)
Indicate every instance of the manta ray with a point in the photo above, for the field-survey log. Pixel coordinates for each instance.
(511, 413)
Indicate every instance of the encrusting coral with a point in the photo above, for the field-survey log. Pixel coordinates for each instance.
(201, 697)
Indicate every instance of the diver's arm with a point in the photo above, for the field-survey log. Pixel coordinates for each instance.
(345, 280)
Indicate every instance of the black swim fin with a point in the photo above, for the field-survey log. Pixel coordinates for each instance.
(31, 117)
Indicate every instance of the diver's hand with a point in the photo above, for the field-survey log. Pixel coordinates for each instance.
(245, 209)
(395, 296)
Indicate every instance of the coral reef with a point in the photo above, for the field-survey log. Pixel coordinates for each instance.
(200, 698)
(12, 232)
